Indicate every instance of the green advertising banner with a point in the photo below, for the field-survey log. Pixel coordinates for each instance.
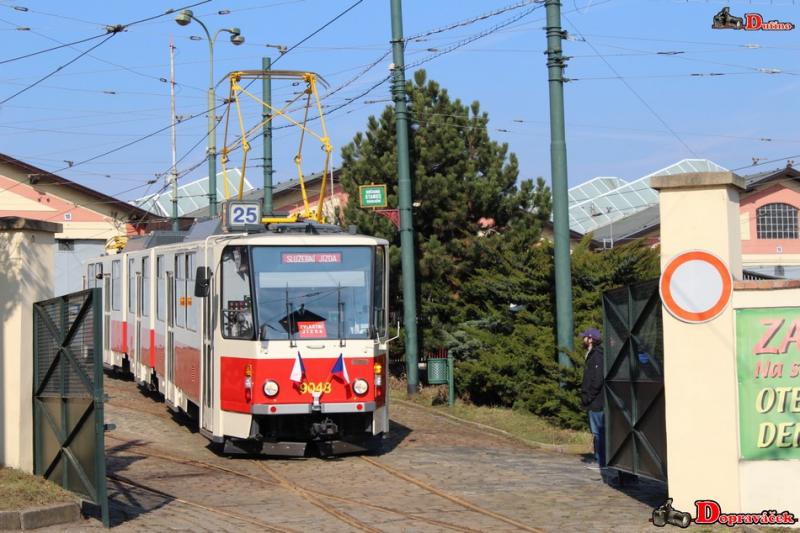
(768, 367)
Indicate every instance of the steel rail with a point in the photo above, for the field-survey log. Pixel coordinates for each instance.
(455, 499)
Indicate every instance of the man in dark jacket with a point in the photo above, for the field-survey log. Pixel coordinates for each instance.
(592, 391)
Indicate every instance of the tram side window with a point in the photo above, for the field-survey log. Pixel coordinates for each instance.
(98, 270)
(191, 310)
(379, 319)
(95, 269)
(131, 286)
(145, 286)
(116, 285)
(160, 287)
(89, 276)
(180, 290)
(237, 300)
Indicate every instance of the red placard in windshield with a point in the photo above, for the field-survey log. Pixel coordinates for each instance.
(311, 258)
(312, 330)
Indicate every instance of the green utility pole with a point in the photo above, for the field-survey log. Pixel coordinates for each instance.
(558, 168)
(212, 137)
(404, 183)
(266, 89)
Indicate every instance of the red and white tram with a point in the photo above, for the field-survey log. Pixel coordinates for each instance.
(272, 339)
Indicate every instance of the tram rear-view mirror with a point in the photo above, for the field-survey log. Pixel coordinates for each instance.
(202, 282)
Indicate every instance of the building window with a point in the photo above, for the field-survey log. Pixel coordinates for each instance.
(776, 221)
(66, 245)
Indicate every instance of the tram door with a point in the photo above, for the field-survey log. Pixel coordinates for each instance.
(169, 386)
(206, 304)
(137, 352)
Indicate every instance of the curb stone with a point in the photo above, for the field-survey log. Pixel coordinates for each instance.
(9, 520)
(37, 517)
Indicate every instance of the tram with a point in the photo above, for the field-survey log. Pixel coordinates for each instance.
(273, 338)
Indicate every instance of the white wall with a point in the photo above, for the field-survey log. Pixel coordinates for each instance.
(26, 257)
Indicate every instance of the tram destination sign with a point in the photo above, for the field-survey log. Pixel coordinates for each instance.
(372, 195)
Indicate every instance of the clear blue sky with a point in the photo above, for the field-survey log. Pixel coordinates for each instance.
(665, 50)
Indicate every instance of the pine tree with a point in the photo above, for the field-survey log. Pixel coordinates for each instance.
(460, 176)
(485, 276)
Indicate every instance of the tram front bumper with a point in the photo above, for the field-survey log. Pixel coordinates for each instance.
(307, 408)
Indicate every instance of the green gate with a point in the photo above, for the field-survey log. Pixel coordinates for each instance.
(68, 395)
(636, 437)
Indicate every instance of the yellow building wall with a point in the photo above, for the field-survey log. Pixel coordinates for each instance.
(700, 359)
(109, 223)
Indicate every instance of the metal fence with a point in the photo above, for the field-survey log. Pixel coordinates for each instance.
(636, 440)
(68, 395)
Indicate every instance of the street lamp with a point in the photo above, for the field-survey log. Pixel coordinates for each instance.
(184, 18)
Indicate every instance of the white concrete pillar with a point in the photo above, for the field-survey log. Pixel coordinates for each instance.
(701, 211)
(27, 249)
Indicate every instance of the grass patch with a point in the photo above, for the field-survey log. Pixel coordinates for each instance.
(19, 490)
(521, 424)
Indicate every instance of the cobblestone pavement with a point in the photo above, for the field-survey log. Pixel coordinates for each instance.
(517, 487)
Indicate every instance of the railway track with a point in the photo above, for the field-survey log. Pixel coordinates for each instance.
(193, 504)
(450, 497)
(312, 496)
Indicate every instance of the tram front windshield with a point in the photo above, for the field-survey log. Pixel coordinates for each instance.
(313, 292)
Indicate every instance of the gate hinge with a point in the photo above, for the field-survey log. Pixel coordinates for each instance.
(109, 427)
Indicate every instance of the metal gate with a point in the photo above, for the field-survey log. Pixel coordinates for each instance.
(636, 440)
(68, 394)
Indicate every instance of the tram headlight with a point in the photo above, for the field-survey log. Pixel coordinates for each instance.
(360, 387)
(271, 388)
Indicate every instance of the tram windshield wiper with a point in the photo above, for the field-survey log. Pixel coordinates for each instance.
(340, 310)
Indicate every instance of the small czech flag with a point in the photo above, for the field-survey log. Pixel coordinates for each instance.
(298, 369)
(339, 369)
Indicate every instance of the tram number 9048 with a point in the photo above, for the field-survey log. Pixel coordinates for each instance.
(308, 388)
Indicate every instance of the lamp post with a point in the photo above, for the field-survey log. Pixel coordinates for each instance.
(184, 18)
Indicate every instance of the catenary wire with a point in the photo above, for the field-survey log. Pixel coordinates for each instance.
(633, 91)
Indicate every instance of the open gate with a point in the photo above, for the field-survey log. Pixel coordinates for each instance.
(68, 395)
(636, 440)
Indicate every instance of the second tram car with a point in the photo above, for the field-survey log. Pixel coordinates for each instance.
(272, 340)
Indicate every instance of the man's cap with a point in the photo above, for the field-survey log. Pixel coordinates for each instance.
(592, 333)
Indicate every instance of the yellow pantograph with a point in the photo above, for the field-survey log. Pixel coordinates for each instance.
(242, 140)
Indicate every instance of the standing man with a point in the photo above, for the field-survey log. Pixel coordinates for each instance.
(592, 391)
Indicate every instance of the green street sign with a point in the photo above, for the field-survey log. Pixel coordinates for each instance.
(372, 195)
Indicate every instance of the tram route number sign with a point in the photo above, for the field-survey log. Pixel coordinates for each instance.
(372, 195)
(241, 214)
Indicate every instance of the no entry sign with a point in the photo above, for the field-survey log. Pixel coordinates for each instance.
(695, 286)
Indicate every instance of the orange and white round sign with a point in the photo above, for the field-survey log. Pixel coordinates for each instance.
(695, 286)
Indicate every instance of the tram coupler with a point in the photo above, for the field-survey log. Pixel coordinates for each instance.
(324, 430)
